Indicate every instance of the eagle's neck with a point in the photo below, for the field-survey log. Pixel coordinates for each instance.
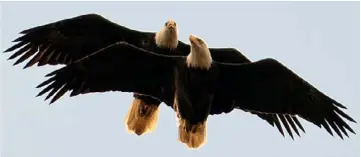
(167, 38)
(199, 58)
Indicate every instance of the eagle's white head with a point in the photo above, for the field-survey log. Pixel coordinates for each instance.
(167, 37)
(200, 56)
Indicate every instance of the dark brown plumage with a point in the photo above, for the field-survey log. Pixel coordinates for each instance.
(68, 40)
(265, 87)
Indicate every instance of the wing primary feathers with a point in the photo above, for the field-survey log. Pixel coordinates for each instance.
(290, 121)
(298, 98)
(21, 51)
(339, 122)
(29, 53)
(16, 46)
(36, 58)
(335, 128)
(59, 94)
(342, 125)
(332, 100)
(270, 118)
(332, 116)
(21, 38)
(26, 31)
(56, 87)
(325, 125)
(45, 89)
(266, 117)
(285, 124)
(298, 123)
(338, 104)
(278, 125)
(337, 110)
(53, 73)
(344, 131)
(45, 82)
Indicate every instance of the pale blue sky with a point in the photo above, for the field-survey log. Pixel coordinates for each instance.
(317, 40)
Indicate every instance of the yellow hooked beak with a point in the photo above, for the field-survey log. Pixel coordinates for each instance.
(171, 24)
(194, 40)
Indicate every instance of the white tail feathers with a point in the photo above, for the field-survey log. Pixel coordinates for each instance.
(141, 118)
(195, 137)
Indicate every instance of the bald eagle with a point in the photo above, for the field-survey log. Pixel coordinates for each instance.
(196, 86)
(65, 41)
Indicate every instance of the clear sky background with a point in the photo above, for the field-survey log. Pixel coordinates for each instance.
(317, 40)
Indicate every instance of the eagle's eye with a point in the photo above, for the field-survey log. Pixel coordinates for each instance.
(166, 24)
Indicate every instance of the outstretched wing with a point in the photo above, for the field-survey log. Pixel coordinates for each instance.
(68, 40)
(268, 87)
(118, 67)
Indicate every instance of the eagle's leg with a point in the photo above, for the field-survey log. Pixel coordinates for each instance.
(142, 117)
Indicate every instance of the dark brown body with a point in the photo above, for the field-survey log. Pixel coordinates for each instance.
(195, 89)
